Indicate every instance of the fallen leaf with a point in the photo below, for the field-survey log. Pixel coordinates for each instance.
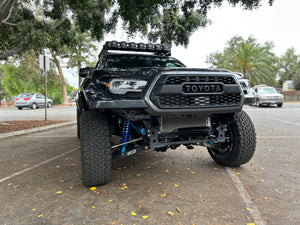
(164, 195)
(122, 188)
(93, 206)
(194, 211)
(133, 213)
(176, 185)
(145, 217)
(159, 183)
(193, 172)
(178, 210)
(59, 192)
(266, 198)
(33, 210)
(170, 213)
(110, 200)
(16, 186)
(139, 174)
(93, 188)
(167, 171)
(247, 209)
(39, 216)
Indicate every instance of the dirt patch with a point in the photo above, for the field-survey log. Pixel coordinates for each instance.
(10, 126)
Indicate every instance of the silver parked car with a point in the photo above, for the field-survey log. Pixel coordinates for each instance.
(31, 100)
(266, 95)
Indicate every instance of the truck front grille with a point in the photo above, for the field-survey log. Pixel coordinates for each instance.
(196, 91)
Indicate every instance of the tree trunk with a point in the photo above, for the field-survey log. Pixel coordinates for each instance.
(61, 75)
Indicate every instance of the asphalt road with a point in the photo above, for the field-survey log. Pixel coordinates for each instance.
(54, 113)
(40, 181)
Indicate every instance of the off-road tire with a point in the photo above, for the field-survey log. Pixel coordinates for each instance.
(96, 156)
(78, 122)
(243, 142)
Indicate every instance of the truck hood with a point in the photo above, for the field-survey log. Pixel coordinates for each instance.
(149, 72)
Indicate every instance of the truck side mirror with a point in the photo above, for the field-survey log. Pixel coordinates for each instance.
(84, 71)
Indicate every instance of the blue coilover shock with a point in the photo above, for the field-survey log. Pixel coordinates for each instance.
(126, 134)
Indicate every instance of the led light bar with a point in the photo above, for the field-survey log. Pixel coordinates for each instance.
(159, 49)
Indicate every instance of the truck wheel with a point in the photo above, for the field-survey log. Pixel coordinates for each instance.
(96, 156)
(240, 142)
(279, 104)
(78, 122)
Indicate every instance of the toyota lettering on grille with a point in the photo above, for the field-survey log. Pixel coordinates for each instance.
(202, 88)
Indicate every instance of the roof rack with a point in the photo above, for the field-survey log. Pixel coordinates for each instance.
(157, 49)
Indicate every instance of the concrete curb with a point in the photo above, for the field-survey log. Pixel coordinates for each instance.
(37, 129)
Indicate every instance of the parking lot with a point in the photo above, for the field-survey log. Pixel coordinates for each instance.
(40, 179)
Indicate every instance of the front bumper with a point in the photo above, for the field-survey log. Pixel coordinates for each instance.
(176, 92)
(270, 101)
(119, 104)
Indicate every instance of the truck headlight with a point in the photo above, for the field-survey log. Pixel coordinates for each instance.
(122, 86)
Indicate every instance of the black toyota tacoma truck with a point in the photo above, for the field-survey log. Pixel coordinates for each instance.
(138, 97)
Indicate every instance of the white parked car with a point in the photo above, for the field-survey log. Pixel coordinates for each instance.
(31, 100)
(266, 95)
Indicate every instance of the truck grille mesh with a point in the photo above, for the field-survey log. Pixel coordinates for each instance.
(176, 101)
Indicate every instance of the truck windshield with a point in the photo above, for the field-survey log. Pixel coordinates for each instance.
(136, 61)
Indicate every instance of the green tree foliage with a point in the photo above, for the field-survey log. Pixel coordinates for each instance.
(24, 76)
(161, 20)
(79, 52)
(3, 92)
(296, 77)
(256, 61)
(288, 64)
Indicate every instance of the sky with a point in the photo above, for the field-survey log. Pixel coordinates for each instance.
(279, 23)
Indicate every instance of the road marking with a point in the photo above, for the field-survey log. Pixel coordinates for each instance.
(258, 220)
(280, 137)
(53, 136)
(37, 165)
(283, 121)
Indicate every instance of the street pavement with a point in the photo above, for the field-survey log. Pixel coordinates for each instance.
(54, 113)
(40, 181)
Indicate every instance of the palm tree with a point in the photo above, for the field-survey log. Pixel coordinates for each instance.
(255, 61)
